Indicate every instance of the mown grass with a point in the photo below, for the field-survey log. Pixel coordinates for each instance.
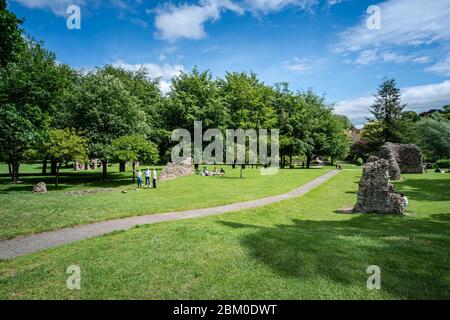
(296, 249)
(22, 212)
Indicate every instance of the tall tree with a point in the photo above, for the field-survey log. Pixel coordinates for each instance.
(387, 109)
(11, 35)
(103, 110)
(29, 91)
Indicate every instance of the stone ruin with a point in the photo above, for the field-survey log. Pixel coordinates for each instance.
(402, 158)
(41, 187)
(175, 170)
(376, 194)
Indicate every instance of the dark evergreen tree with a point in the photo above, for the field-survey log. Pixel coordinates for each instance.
(388, 109)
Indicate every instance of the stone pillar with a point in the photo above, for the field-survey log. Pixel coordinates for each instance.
(376, 194)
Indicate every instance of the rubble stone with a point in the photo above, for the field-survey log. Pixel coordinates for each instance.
(376, 194)
(175, 170)
(41, 187)
(402, 158)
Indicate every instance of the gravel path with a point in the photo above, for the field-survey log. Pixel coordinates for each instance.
(20, 246)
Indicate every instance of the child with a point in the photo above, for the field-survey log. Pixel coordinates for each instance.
(147, 178)
(139, 178)
(154, 178)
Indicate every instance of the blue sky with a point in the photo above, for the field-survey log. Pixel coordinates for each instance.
(319, 44)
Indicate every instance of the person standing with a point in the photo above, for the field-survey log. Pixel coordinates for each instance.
(139, 178)
(155, 177)
(147, 178)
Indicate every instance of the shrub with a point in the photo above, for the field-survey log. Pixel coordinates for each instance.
(442, 164)
(359, 162)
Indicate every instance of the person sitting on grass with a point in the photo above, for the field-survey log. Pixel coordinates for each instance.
(222, 172)
(205, 172)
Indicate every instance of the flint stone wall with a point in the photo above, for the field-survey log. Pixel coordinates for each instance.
(402, 158)
(376, 194)
(174, 170)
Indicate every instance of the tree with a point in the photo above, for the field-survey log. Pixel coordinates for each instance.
(29, 90)
(249, 103)
(65, 145)
(434, 137)
(195, 96)
(11, 36)
(104, 110)
(372, 133)
(134, 148)
(387, 109)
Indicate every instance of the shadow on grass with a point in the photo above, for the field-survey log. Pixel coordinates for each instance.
(409, 252)
(425, 189)
(66, 180)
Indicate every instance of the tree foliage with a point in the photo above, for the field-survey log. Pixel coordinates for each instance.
(65, 145)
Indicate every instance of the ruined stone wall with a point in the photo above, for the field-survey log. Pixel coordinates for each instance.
(174, 170)
(376, 194)
(402, 158)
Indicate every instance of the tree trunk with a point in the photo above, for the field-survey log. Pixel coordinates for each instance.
(105, 169)
(122, 166)
(134, 173)
(290, 160)
(44, 167)
(15, 171)
(57, 175)
(242, 171)
(308, 161)
(53, 169)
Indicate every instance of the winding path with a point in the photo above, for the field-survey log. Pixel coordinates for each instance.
(20, 246)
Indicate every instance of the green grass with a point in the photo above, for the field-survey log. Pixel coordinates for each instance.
(296, 249)
(23, 212)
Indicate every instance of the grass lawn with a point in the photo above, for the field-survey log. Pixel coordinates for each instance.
(296, 249)
(23, 212)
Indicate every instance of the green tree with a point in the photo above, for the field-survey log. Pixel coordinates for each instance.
(134, 148)
(249, 103)
(434, 137)
(65, 145)
(387, 109)
(149, 101)
(29, 91)
(11, 36)
(104, 110)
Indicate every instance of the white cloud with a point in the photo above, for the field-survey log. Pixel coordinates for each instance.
(165, 72)
(187, 21)
(266, 6)
(419, 99)
(295, 65)
(302, 65)
(441, 67)
(403, 22)
(366, 57)
(58, 7)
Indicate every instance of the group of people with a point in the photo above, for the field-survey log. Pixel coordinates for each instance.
(215, 172)
(149, 175)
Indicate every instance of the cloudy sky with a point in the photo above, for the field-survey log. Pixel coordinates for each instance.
(321, 44)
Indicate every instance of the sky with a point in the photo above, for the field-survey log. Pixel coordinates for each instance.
(340, 48)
